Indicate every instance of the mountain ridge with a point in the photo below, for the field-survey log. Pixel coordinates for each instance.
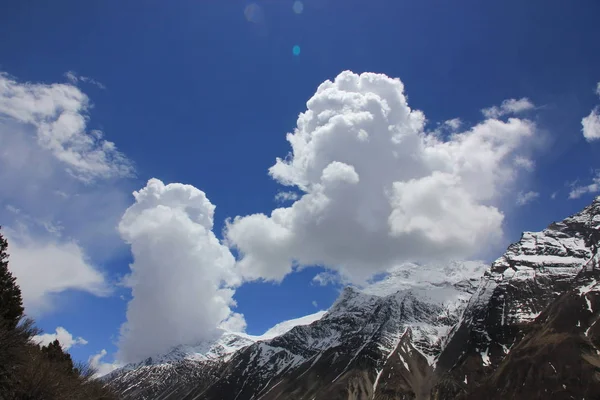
(449, 336)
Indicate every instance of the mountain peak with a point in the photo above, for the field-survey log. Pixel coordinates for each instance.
(422, 331)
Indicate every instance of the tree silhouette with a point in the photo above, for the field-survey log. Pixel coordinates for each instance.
(11, 303)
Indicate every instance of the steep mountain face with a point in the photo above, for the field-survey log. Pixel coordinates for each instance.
(525, 330)
(529, 322)
(368, 338)
(183, 366)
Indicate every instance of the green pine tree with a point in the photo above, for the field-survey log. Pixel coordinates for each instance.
(11, 303)
(58, 357)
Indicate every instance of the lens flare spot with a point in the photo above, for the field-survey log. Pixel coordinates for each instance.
(296, 50)
(298, 7)
(253, 13)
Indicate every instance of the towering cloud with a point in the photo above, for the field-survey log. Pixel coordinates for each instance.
(181, 277)
(377, 190)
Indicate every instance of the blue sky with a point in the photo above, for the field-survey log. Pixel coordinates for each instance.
(197, 93)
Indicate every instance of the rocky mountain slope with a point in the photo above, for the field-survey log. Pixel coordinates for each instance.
(530, 325)
(525, 330)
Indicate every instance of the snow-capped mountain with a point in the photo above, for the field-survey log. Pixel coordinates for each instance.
(540, 297)
(363, 327)
(424, 332)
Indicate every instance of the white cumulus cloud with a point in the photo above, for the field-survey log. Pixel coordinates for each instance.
(182, 277)
(510, 106)
(65, 338)
(378, 190)
(591, 123)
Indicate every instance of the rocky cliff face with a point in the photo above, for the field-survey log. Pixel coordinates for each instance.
(525, 330)
(525, 302)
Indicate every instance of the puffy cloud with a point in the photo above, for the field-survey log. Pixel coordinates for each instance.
(45, 268)
(102, 368)
(59, 114)
(65, 339)
(234, 323)
(182, 277)
(378, 190)
(526, 197)
(579, 190)
(591, 125)
(510, 106)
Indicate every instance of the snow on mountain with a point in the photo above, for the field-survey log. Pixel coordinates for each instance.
(406, 313)
(422, 331)
(421, 301)
(286, 326)
(546, 260)
(532, 274)
(449, 285)
(224, 344)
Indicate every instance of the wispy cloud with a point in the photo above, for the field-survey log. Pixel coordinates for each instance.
(526, 197)
(61, 199)
(58, 112)
(510, 106)
(74, 79)
(282, 197)
(579, 190)
(102, 368)
(525, 163)
(45, 266)
(454, 123)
